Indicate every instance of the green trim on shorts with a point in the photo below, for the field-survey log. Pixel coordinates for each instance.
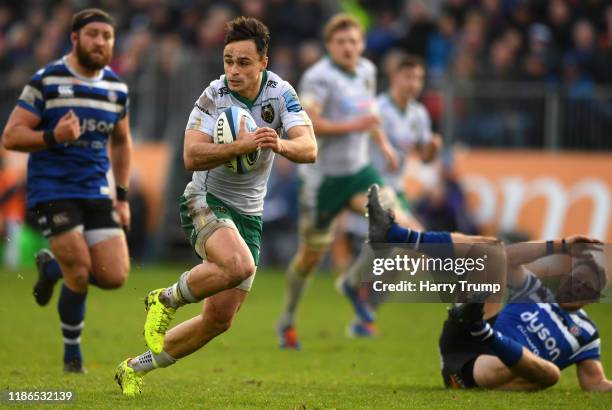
(249, 226)
(335, 193)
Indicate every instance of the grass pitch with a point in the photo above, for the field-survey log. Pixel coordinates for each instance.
(244, 367)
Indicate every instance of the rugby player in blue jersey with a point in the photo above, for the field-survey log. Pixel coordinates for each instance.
(65, 118)
(525, 344)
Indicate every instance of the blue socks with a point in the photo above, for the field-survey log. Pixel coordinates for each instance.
(508, 350)
(71, 308)
(398, 234)
(52, 270)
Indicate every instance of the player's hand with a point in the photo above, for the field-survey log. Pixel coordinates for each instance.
(430, 151)
(391, 156)
(580, 245)
(365, 122)
(123, 211)
(246, 138)
(266, 137)
(67, 128)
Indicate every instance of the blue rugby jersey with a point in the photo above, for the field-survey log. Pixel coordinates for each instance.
(547, 330)
(76, 169)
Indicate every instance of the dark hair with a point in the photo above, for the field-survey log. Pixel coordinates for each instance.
(248, 28)
(84, 17)
(409, 61)
(340, 21)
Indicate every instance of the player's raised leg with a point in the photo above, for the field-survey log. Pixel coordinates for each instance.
(223, 270)
(349, 282)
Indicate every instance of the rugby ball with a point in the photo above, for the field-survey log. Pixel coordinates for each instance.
(226, 131)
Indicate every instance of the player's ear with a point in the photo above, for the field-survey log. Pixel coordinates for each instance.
(264, 63)
(74, 37)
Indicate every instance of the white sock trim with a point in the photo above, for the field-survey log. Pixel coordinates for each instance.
(66, 326)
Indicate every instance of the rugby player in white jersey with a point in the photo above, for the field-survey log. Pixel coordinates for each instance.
(338, 93)
(221, 210)
(407, 125)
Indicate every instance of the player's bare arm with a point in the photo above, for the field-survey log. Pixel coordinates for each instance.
(20, 134)
(592, 377)
(200, 153)
(301, 145)
(379, 136)
(525, 253)
(428, 151)
(121, 157)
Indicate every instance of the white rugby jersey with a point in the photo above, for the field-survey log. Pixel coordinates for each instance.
(342, 96)
(276, 106)
(404, 128)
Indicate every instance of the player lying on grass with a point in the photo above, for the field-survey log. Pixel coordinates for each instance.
(220, 209)
(538, 333)
(524, 346)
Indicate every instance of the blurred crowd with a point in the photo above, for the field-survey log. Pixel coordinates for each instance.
(537, 40)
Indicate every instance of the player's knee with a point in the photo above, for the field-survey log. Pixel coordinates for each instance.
(238, 268)
(114, 282)
(307, 260)
(221, 320)
(74, 260)
(550, 377)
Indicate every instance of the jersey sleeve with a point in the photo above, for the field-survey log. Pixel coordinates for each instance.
(314, 90)
(592, 351)
(291, 111)
(32, 98)
(203, 115)
(424, 130)
(532, 290)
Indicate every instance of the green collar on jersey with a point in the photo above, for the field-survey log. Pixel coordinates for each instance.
(400, 110)
(351, 74)
(244, 100)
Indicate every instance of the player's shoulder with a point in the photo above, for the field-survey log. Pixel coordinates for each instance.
(55, 68)
(418, 108)
(383, 99)
(217, 89)
(275, 85)
(320, 69)
(111, 76)
(366, 66)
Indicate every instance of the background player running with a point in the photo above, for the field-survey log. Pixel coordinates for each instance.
(407, 125)
(64, 118)
(338, 93)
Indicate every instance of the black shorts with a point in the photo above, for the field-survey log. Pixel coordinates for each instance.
(62, 215)
(459, 352)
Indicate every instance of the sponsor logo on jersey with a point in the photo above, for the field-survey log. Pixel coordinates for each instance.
(534, 325)
(267, 113)
(271, 84)
(65, 91)
(112, 96)
(91, 124)
(291, 101)
(223, 91)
